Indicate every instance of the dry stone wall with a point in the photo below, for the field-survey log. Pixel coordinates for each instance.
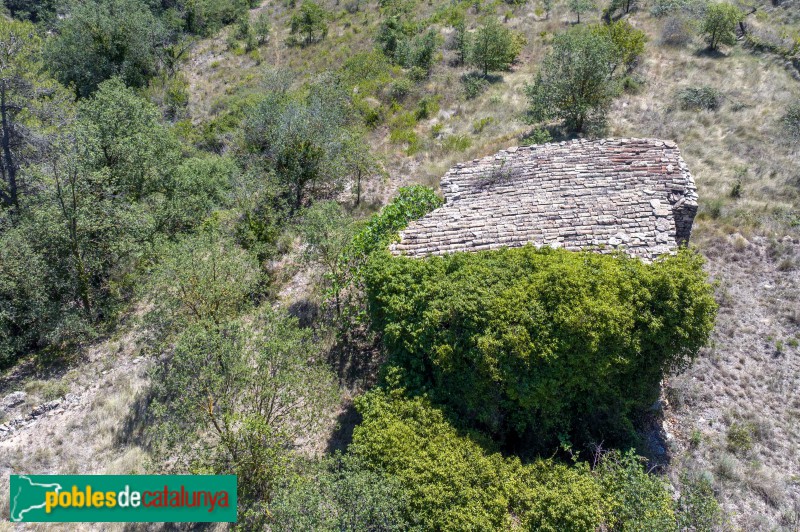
(635, 195)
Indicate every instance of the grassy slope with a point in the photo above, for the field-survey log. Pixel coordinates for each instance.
(743, 380)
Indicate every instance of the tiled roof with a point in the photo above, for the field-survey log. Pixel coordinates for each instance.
(636, 195)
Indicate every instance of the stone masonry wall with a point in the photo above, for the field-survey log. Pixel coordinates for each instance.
(635, 195)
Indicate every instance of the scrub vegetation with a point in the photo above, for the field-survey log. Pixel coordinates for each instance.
(196, 201)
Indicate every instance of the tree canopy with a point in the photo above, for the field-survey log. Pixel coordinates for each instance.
(575, 81)
(103, 39)
(493, 47)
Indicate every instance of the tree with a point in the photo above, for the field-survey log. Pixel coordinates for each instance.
(628, 42)
(327, 231)
(203, 278)
(86, 229)
(103, 39)
(101, 177)
(493, 47)
(262, 28)
(461, 41)
(135, 148)
(359, 161)
(24, 92)
(574, 82)
(237, 397)
(25, 309)
(719, 24)
(300, 138)
(580, 6)
(310, 22)
(617, 5)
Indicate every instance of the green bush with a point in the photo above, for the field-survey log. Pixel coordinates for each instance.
(234, 397)
(474, 85)
(451, 481)
(697, 508)
(456, 143)
(409, 204)
(400, 88)
(699, 98)
(339, 493)
(740, 437)
(791, 120)
(663, 8)
(531, 344)
(427, 107)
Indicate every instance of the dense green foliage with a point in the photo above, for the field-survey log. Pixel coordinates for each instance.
(403, 43)
(530, 345)
(575, 81)
(409, 204)
(102, 39)
(628, 42)
(23, 94)
(102, 186)
(719, 24)
(453, 483)
(339, 493)
(310, 22)
(493, 47)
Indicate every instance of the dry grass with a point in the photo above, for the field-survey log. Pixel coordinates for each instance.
(740, 391)
(84, 435)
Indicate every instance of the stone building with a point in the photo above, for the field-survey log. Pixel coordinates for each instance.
(635, 195)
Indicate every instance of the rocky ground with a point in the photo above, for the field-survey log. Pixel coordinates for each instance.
(735, 414)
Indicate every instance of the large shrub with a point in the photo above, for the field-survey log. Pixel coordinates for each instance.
(237, 397)
(791, 121)
(100, 40)
(450, 481)
(534, 344)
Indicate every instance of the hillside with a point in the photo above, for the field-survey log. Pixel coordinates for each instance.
(91, 400)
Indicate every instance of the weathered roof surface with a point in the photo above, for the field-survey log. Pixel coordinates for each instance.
(631, 194)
